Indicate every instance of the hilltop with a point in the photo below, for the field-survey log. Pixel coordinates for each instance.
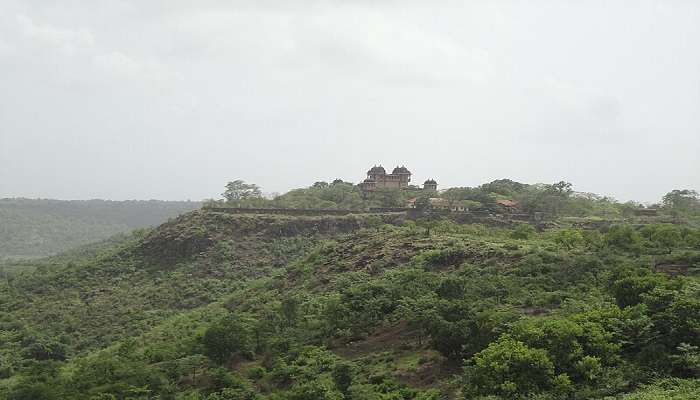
(213, 305)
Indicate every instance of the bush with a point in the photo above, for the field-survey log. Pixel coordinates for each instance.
(623, 237)
(452, 256)
(523, 231)
(569, 238)
(228, 336)
(509, 368)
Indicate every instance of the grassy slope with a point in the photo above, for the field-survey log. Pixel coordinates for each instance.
(92, 297)
(163, 289)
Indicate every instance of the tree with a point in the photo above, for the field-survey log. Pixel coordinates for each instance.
(228, 336)
(239, 190)
(505, 187)
(569, 238)
(374, 221)
(509, 368)
(290, 310)
(623, 237)
(561, 188)
(473, 195)
(387, 197)
(663, 237)
(680, 199)
(428, 223)
(422, 203)
(342, 376)
(419, 312)
(522, 231)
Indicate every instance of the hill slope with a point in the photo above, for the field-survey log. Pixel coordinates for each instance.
(33, 227)
(218, 306)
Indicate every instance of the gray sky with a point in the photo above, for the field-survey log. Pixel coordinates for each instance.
(170, 99)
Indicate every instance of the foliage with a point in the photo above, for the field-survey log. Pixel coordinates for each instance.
(217, 306)
(230, 335)
(509, 368)
(523, 231)
(238, 190)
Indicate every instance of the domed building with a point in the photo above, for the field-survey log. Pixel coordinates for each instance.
(430, 184)
(377, 178)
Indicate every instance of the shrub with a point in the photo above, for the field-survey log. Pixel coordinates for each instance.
(522, 231)
(509, 368)
(228, 336)
(623, 237)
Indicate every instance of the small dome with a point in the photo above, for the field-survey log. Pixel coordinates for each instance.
(376, 171)
(368, 180)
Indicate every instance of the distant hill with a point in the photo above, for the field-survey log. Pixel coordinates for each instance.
(40, 227)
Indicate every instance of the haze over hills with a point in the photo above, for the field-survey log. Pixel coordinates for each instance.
(41, 227)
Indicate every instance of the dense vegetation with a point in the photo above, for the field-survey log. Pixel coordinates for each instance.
(33, 227)
(217, 306)
(556, 200)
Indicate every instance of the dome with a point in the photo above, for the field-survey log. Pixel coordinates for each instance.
(430, 182)
(376, 171)
(401, 170)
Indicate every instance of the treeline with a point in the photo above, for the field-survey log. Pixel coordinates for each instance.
(557, 199)
(38, 227)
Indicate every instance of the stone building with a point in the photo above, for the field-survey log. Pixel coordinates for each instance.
(430, 184)
(377, 178)
(399, 178)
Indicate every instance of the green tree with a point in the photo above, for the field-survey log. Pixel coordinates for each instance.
(624, 237)
(419, 312)
(428, 223)
(226, 337)
(680, 200)
(522, 231)
(665, 238)
(239, 190)
(547, 198)
(342, 376)
(569, 238)
(509, 368)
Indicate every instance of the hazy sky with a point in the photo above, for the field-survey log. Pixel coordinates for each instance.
(171, 99)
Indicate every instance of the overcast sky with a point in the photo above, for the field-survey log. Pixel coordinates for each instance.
(171, 99)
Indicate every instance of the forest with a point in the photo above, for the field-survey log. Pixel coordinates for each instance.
(42, 227)
(213, 306)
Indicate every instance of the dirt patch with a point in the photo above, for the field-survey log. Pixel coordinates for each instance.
(382, 340)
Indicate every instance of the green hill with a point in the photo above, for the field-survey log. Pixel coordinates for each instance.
(212, 306)
(36, 227)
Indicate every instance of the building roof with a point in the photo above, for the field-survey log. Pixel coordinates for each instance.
(430, 182)
(439, 202)
(376, 170)
(507, 203)
(401, 170)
